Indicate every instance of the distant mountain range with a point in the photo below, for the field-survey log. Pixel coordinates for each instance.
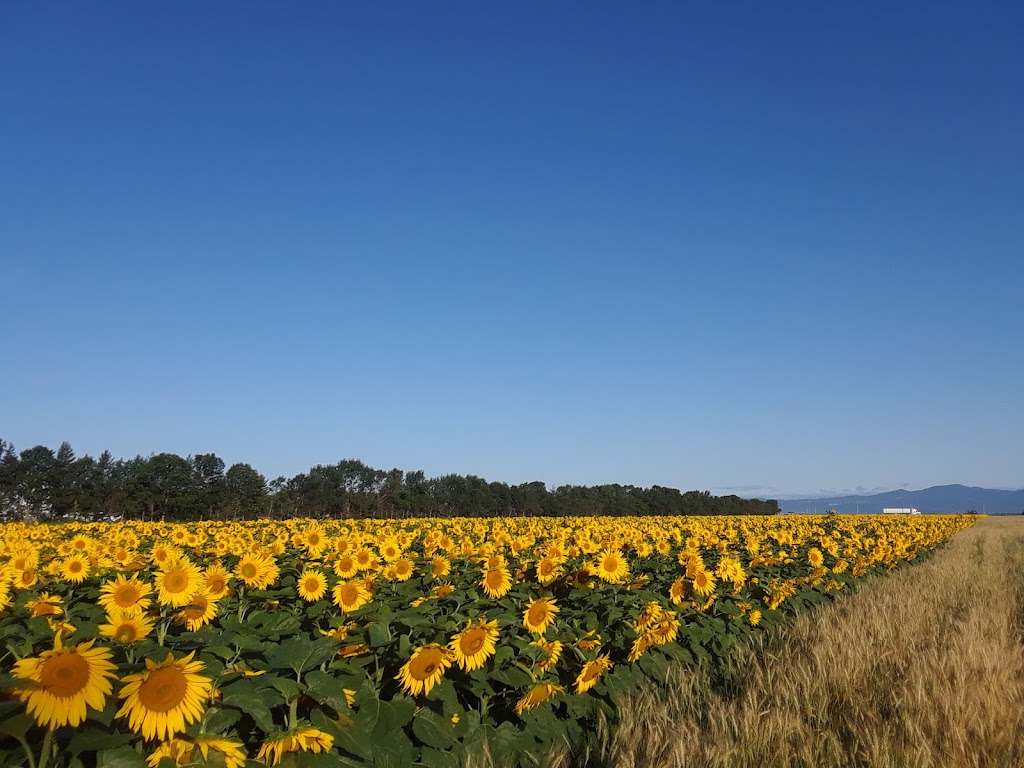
(939, 498)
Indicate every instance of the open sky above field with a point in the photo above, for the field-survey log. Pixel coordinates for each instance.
(755, 248)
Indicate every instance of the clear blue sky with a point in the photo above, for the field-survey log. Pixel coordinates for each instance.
(771, 248)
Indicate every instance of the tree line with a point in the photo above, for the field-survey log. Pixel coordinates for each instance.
(40, 484)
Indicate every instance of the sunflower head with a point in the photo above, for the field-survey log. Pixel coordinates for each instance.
(424, 669)
(68, 682)
(126, 628)
(75, 569)
(176, 582)
(552, 649)
(537, 695)
(475, 644)
(539, 614)
(351, 595)
(610, 566)
(125, 595)
(591, 672)
(496, 582)
(312, 585)
(295, 740)
(165, 698)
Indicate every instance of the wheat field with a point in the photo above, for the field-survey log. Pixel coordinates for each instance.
(922, 668)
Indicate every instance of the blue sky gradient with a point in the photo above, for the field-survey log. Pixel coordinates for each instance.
(769, 249)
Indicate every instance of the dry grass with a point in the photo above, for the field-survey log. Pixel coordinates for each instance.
(920, 668)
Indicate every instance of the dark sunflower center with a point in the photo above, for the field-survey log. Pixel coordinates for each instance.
(175, 581)
(164, 689)
(64, 674)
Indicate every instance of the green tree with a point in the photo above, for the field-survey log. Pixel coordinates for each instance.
(245, 492)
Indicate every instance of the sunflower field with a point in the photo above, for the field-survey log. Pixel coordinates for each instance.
(387, 643)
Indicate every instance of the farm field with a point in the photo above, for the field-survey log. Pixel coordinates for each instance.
(923, 668)
(405, 642)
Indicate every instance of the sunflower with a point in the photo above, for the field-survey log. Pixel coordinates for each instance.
(25, 578)
(730, 569)
(440, 567)
(677, 591)
(351, 595)
(539, 614)
(314, 540)
(126, 628)
(424, 669)
(257, 571)
(814, 557)
(403, 569)
(296, 740)
(338, 633)
(364, 559)
(216, 578)
(68, 682)
(163, 554)
(590, 673)
(232, 752)
(176, 582)
(496, 582)
(639, 647)
(649, 615)
(75, 569)
(353, 649)
(126, 595)
(553, 648)
(665, 630)
(312, 585)
(201, 611)
(692, 561)
(45, 605)
(537, 695)
(475, 644)
(610, 566)
(703, 583)
(390, 550)
(548, 569)
(24, 560)
(182, 751)
(495, 561)
(346, 566)
(165, 698)
(178, 750)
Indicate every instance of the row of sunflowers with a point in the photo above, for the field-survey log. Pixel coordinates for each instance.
(413, 642)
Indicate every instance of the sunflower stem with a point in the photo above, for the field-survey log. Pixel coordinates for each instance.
(44, 754)
(28, 753)
(293, 713)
